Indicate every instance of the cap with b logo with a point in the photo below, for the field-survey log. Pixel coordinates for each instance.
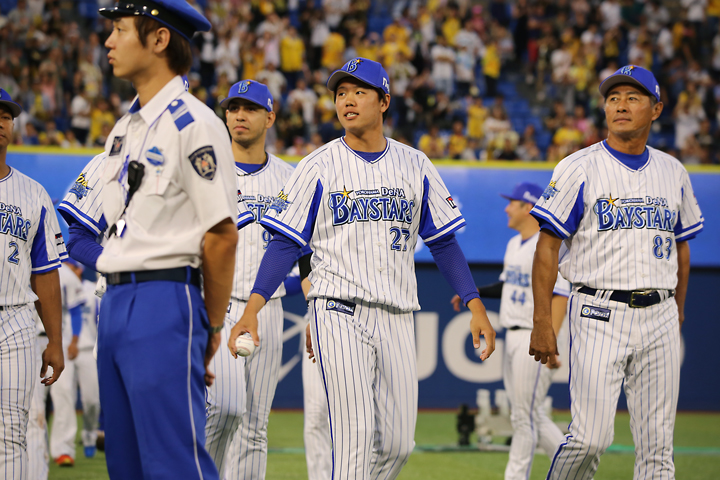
(7, 101)
(175, 14)
(632, 74)
(367, 71)
(525, 192)
(251, 91)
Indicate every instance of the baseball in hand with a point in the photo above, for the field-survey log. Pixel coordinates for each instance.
(244, 345)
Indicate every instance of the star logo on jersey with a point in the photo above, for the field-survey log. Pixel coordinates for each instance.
(80, 188)
(346, 193)
(204, 162)
(280, 202)
(352, 65)
(550, 191)
(612, 200)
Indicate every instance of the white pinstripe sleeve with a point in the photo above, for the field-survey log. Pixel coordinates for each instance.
(294, 211)
(562, 287)
(74, 295)
(83, 202)
(561, 204)
(439, 214)
(691, 219)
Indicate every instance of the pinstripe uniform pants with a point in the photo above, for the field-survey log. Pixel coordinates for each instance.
(369, 371)
(18, 372)
(637, 347)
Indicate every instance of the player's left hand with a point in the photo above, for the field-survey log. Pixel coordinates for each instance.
(456, 302)
(247, 323)
(73, 349)
(543, 345)
(52, 357)
(213, 343)
(480, 325)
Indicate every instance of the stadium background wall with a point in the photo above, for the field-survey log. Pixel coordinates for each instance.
(449, 370)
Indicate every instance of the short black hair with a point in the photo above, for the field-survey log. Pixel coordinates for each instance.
(178, 51)
(380, 92)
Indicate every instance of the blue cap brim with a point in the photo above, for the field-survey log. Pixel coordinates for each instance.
(620, 78)
(14, 108)
(336, 77)
(226, 102)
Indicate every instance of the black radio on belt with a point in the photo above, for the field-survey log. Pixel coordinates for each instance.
(135, 173)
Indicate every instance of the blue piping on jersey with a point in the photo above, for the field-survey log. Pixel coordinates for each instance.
(38, 254)
(357, 154)
(69, 212)
(8, 175)
(244, 219)
(47, 268)
(550, 222)
(250, 167)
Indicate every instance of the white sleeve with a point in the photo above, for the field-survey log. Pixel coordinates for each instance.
(74, 293)
(561, 206)
(690, 221)
(83, 202)
(562, 287)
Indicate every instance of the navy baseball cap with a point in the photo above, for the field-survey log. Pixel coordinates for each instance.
(632, 74)
(7, 101)
(252, 91)
(364, 70)
(525, 192)
(175, 14)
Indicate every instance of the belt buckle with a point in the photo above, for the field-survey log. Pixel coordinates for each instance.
(113, 278)
(638, 292)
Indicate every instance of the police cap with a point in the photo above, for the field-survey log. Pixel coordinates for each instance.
(175, 14)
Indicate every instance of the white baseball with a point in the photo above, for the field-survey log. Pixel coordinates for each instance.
(244, 345)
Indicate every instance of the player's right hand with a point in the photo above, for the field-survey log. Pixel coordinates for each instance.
(247, 323)
(543, 345)
(53, 357)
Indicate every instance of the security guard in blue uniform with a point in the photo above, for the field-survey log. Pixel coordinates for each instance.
(169, 200)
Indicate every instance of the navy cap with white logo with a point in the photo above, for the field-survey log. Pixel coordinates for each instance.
(525, 192)
(7, 101)
(367, 71)
(252, 91)
(175, 14)
(632, 74)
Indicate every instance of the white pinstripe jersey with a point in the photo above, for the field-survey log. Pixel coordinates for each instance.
(188, 186)
(71, 291)
(30, 238)
(362, 220)
(516, 305)
(257, 192)
(84, 200)
(620, 225)
(88, 334)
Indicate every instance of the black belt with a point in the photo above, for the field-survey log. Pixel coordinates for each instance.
(42, 334)
(634, 298)
(180, 275)
(516, 327)
(8, 307)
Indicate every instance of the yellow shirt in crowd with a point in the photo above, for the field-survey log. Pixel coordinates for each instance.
(291, 54)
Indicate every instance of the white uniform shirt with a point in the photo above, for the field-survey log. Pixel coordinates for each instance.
(30, 238)
(188, 186)
(71, 291)
(620, 225)
(362, 220)
(88, 334)
(256, 192)
(84, 200)
(516, 306)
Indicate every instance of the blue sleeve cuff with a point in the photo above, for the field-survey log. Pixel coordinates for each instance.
(292, 285)
(70, 213)
(244, 219)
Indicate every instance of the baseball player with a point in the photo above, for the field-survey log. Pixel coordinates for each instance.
(32, 249)
(168, 199)
(360, 202)
(86, 368)
(526, 382)
(243, 391)
(625, 212)
(63, 392)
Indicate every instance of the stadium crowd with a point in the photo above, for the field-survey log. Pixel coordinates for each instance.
(498, 79)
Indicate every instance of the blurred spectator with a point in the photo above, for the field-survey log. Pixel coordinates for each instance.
(292, 124)
(491, 68)
(688, 114)
(476, 115)
(443, 58)
(51, 137)
(431, 144)
(292, 56)
(80, 110)
(507, 152)
(332, 53)
(274, 80)
(458, 141)
(299, 148)
(308, 100)
(400, 73)
(556, 118)
(227, 56)
(30, 137)
(568, 138)
(528, 150)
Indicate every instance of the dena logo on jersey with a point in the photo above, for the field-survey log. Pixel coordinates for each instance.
(624, 213)
(387, 204)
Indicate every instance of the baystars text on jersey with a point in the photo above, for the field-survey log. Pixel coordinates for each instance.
(387, 204)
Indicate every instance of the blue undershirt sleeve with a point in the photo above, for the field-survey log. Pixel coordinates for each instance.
(279, 258)
(450, 259)
(76, 319)
(292, 285)
(82, 245)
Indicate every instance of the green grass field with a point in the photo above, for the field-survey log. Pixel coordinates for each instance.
(697, 454)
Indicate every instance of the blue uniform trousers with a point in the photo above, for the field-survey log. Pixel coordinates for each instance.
(152, 338)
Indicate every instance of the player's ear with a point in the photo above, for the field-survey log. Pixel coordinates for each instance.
(384, 103)
(657, 110)
(270, 119)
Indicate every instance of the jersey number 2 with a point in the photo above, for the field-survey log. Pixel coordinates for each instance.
(13, 258)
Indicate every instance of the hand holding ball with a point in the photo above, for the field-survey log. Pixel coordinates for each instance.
(244, 345)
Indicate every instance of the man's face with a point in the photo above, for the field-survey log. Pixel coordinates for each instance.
(517, 211)
(628, 110)
(247, 121)
(127, 56)
(6, 127)
(357, 105)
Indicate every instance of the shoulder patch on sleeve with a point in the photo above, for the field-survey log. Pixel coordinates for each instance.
(180, 114)
(204, 162)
